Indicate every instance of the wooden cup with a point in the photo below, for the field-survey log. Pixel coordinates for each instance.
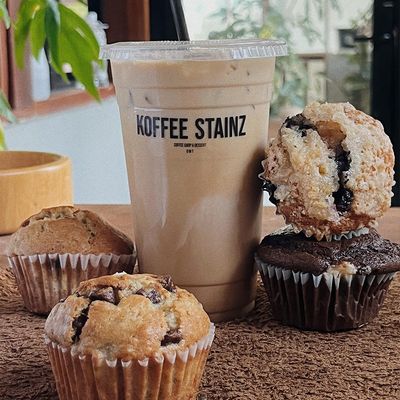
(29, 182)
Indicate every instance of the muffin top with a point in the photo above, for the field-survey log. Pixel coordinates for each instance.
(363, 255)
(330, 170)
(128, 316)
(67, 230)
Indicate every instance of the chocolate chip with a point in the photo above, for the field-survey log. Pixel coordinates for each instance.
(299, 123)
(342, 160)
(108, 294)
(78, 323)
(343, 199)
(168, 284)
(172, 337)
(151, 294)
(269, 187)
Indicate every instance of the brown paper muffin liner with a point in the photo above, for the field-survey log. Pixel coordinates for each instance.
(172, 376)
(44, 279)
(326, 302)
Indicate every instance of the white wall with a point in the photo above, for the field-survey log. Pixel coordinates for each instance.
(91, 137)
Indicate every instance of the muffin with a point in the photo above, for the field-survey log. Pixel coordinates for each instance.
(326, 286)
(330, 170)
(128, 337)
(59, 247)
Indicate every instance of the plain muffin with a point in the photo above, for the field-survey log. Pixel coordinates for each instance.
(138, 324)
(68, 229)
(56, 249)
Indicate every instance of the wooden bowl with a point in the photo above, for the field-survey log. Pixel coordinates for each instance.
(30, 181)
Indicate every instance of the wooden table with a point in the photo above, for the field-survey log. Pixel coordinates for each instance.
(252, 358)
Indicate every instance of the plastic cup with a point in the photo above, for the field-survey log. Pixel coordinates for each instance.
(194, 119)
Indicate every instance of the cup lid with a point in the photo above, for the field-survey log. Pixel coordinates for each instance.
(227, 49)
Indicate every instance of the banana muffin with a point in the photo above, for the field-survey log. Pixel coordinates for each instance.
(326, 286)
(138, 336)
(330, 170)
(59, 247)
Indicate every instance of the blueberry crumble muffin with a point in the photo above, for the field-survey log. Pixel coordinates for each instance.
(330, 170)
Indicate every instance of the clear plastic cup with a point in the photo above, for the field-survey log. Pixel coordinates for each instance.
(194, 119)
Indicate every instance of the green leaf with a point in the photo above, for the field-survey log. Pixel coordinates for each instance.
(4, 13)
(52, 27)
(79, 48)
(2, 138)
(72, 21)
(5, 108)
(21, 29)
(38, 32)
(82, 68)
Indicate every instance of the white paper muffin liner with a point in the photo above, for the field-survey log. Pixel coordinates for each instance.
(335, 237)
(44, 279)
(174, 375)
(325, 302)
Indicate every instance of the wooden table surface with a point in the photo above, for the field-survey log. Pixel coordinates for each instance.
(253, 358)
(120, 216)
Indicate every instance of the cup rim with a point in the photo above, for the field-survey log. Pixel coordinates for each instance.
(58, 160)
(195, 50)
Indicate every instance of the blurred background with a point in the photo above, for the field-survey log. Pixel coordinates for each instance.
(340, 50)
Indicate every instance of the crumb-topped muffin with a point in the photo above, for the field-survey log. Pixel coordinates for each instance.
(326, 286)
(330, 170)
(138, 324)
(56, 249)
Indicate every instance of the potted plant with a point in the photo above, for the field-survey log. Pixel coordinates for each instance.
(30, 181)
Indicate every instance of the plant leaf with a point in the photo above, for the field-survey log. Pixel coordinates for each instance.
(72, 21)
(21, 28)
(3, 145)
(4, 13)
(38, 32)
(5, 108)
(52, 27)
(79, 48)
(82, 68)
(2, 138)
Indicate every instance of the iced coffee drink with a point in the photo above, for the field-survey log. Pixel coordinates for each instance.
(194, 119)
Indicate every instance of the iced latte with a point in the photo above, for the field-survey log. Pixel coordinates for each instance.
(194, 119)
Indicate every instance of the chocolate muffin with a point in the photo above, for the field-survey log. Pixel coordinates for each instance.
(330, 170)
(128, 336)
(326, 286)
(56, 249)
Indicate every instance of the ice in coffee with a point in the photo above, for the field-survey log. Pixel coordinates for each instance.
(194, 119)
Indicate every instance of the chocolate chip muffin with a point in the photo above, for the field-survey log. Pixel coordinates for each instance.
(128, 336)
(326, 286)
(59, 247)
(330, 170)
